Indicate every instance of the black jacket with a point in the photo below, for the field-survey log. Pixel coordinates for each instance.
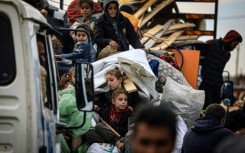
(214, 63)
(206, 134)
(122, 126)
(122, 31)
(103, 100)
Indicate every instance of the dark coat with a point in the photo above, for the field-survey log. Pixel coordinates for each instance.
(105, 31)
(206, 134)
(122, 126)
(214, 63)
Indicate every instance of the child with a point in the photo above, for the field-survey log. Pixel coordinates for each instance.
(87, 7)
(68, 79)
(83, 50)
(114, 79)
(115, 30)
(116, 116)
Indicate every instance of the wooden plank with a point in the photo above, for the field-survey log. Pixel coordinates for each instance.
(199, 32)
(181, 26)
(141, 19)
(144, 8)
(151, 32)
(129, 86)
(155, 11)
(208, 1)
(166, 44)
(150, 43)
(180, 38)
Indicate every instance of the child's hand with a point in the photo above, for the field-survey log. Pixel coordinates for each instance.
(131, 108)
(96, 108)
(113, 45)
(57, 56)
(119, 145)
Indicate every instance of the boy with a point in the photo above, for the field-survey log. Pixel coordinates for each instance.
(114, 30)
(116, 116)
(83, 50)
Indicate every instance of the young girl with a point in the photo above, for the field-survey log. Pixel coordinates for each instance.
(115, 30)
(87, 7)
(114, 79)
(116, 116)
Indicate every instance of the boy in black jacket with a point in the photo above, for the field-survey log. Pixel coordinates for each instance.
(116, 116)
(114, 30)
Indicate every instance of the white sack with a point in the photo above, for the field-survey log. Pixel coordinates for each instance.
(102, 148)
(188, 101)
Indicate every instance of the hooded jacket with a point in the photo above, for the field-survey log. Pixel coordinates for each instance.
(214, 63)
(118, 29)
(83, 52)
(206, 134)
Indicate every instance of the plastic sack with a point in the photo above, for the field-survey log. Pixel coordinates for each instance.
(181, 130)
(188, 101)
(70, 115)
(102, 148)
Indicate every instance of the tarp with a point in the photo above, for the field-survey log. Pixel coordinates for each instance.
(134, 64)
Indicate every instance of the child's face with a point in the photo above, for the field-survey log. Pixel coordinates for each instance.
(112, 82)
(112, 9)
(86, 10)
(81, 36)
(120, 102)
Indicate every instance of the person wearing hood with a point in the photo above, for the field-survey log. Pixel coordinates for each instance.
(114, 30)
(83, 50)
(207, 132)
(214, 63)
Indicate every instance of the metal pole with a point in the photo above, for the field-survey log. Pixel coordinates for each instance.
(216, 18)
(237, 61)
(61, 4)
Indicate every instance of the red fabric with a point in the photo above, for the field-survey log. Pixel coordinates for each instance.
(231, 35)
(115, 116)
(73, 10)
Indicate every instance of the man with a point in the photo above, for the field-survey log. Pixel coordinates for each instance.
(214, 63)
(207, 132)
(154, 131)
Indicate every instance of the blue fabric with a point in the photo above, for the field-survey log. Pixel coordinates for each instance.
(154, 64)
(83, 52)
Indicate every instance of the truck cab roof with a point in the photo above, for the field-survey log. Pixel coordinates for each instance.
(26, 11)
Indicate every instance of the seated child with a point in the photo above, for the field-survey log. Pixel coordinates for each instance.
(83, 50)
(114, 80)
(68, 79)
(116, 116)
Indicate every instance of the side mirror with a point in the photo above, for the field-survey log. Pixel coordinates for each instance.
(84, 87)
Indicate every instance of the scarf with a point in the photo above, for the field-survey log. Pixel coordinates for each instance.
(114, 116)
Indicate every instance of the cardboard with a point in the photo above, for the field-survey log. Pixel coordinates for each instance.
(191, 65)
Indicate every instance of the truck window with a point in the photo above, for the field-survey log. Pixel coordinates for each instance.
(7, 57)
(45, 72)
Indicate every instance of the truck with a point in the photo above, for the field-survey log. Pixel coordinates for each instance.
(29, 117)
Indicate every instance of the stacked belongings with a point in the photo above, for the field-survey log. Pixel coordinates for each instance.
(187, 101)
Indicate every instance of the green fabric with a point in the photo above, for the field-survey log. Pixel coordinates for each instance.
(70, 115)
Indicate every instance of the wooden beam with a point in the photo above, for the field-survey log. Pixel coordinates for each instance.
(155, 11)
(144, 8)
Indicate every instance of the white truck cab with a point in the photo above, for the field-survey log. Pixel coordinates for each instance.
(28, 119)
